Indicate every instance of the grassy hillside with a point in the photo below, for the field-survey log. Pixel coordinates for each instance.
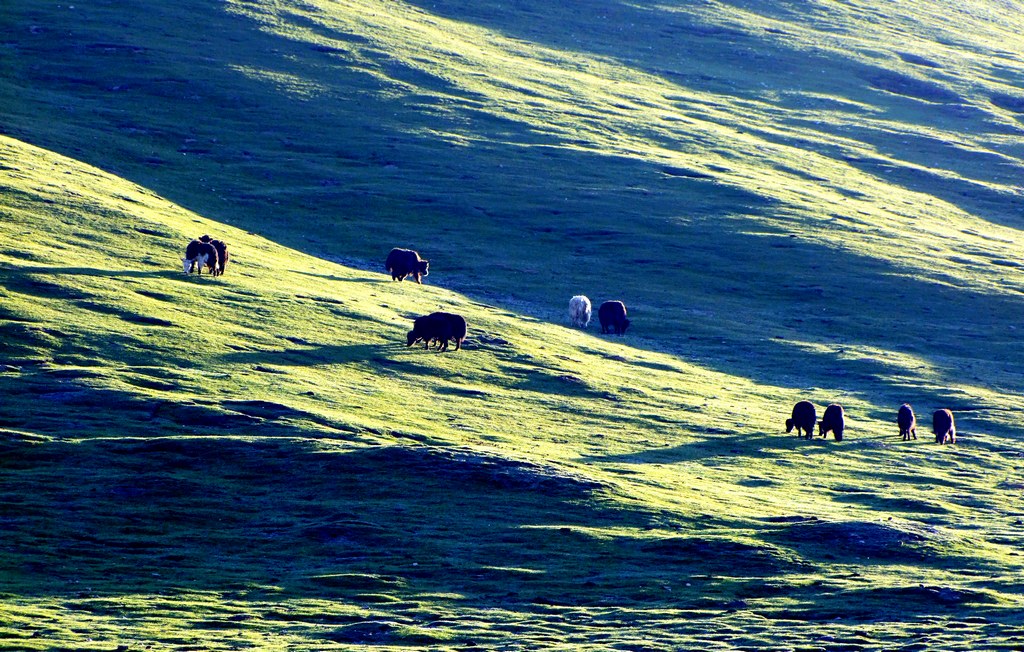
(813, 201)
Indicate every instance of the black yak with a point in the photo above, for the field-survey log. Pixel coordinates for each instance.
(833, 420)
(440, 326)
(612, 315)
(804, 418)
(222, 253)
(428, 328)
(907, 422)
(403, 262)
(458, 326)
(943, 427)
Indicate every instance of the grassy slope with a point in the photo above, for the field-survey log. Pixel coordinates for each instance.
(258, 461)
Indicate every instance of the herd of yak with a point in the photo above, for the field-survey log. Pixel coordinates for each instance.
(206, 252)
(444, 327)
(402, 263)
(805, 417)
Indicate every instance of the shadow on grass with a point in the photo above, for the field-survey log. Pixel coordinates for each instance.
(65, 405)
(33, 281)
(342, 279)
(390, 357)
(96, 271)
(885, 604)
(217, 513)
(552, 381)
(249, 499)
(758, 445)
(891, 504)
(878, 543)
(273, 518)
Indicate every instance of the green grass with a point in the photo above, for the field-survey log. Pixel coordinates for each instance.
(794, 204)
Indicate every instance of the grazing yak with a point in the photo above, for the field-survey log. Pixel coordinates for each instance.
(199, 254)
(943, 427)
(804, 418)
(191, 256)
(907, 422)
(440, 326)
(429, 328)
(835, 420)
(579, 311)
(222, 253)
(458, 326)
(612, 315)
(401, 263)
